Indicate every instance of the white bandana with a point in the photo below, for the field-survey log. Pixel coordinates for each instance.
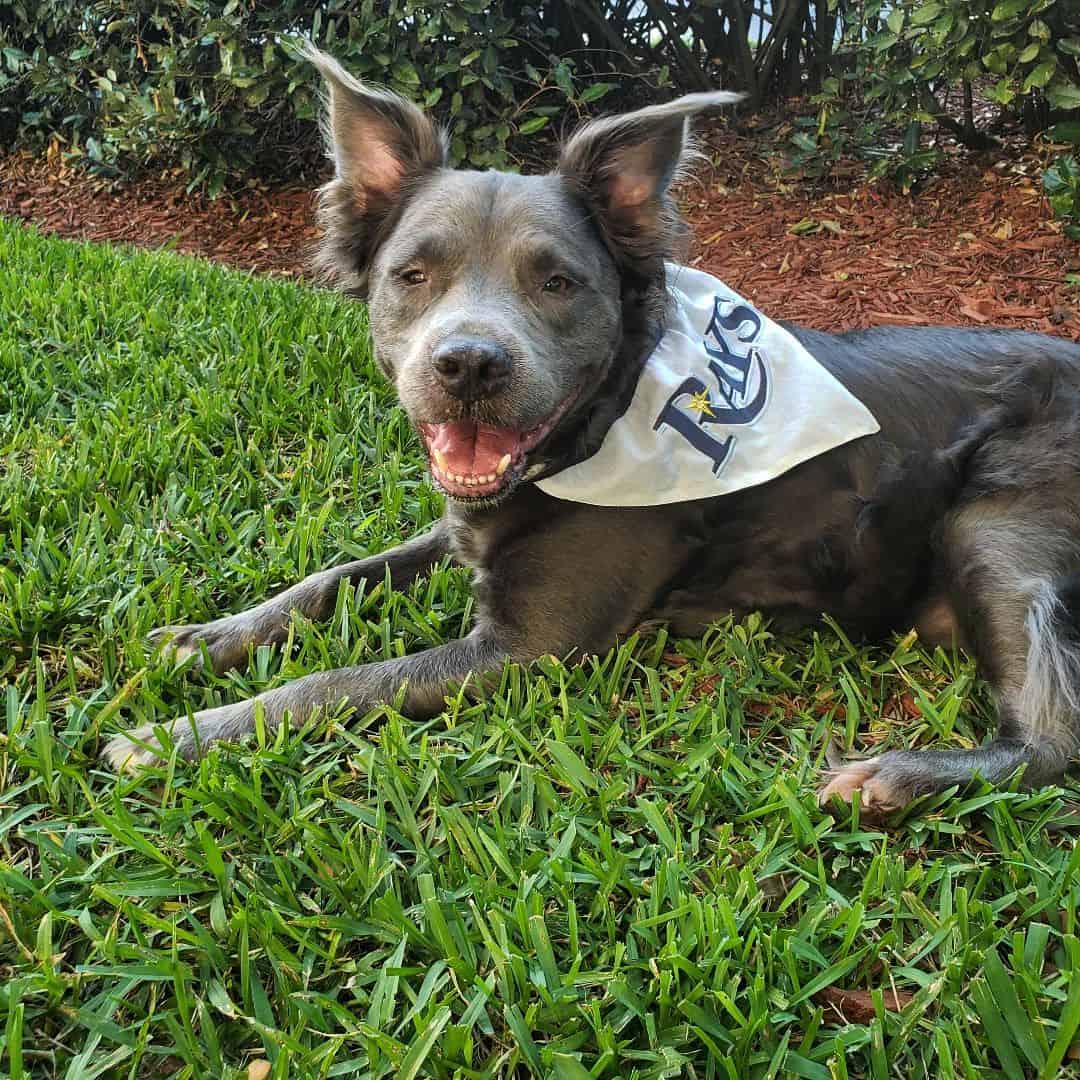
(727, 400)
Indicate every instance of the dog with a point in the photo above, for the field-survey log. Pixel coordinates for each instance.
(514, 315)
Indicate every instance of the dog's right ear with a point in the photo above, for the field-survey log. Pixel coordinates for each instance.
(381, 145)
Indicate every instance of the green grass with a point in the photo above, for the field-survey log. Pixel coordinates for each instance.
(612, 870)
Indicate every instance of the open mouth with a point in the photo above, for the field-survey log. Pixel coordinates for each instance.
(474, 461)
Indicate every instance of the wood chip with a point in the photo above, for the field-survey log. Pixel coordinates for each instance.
(857, 1006)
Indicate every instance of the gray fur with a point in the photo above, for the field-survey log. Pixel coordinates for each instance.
(962, 514)
(1052, 679)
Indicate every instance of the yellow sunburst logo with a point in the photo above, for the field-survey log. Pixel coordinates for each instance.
(701, 404)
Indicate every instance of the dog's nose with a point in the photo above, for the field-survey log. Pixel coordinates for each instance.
(471, 368)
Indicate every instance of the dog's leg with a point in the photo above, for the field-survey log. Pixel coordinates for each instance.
(426, 678)
(532, 600)
(228, 639)
(1015, 589)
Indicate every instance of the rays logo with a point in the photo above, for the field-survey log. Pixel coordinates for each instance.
(742, 384)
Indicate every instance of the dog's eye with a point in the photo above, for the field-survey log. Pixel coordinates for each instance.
(413, 277)
(556, 284)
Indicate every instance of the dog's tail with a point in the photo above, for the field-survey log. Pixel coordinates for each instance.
(1048, 704)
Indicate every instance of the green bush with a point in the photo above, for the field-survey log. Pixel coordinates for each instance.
(1062, 184)
(1028, 49)
(213, 86)
(913, 66)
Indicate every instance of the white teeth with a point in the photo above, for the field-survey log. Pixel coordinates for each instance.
(441, 467)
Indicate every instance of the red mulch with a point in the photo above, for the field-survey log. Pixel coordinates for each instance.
(978, 245)
(270, 231)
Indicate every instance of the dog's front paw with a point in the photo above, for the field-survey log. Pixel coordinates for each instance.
(226, 640)
(133, 750)
(189, 736)
(879, 794)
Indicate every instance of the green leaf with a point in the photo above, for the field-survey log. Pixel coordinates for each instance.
(1040, 76)
(571, 768)
(942, 27)
(1039, 30)
(882, 42)
(926, 14)
(564, 79)
(567, 1067)
(1008, 9)
(1069, 1023)
(533, 125)
(965, 47)
(423, 1043)
(595, 91)
(805, 227)
(1063, 95)
(895, 20)
(1062, 176)
(996, 1029)
(404, 72)
(1068, 131)
(1025, 1033)
(1029, 53)
(1002, 92)
(519, 1029)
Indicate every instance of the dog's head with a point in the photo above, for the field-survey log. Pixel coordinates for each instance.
(496, 300)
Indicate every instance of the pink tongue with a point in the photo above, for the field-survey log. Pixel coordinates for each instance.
(473, 449)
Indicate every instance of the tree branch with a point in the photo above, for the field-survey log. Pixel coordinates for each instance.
(973, 139)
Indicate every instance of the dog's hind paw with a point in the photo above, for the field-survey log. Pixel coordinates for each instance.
(877, 796)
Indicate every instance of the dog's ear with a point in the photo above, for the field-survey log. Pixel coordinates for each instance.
(381, 145)
(624, 167)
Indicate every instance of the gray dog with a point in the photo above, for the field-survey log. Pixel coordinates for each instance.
(514, 315)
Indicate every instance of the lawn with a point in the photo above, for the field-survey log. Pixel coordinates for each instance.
(616, 869)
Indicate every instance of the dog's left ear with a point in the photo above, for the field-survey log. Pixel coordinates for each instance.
(624, 167)
(382, 145)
